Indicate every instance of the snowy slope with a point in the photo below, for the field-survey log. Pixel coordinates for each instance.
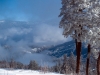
(66, 48)
(24, 72)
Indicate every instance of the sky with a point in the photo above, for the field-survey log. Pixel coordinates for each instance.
(40, 17)
(29, 22)
(30, 10)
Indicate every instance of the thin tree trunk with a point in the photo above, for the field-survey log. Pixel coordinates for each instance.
(78, 51)
(98, 65)
(88, 59)
(76, 45)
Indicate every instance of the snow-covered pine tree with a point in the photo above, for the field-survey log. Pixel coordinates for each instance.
(73, 19)
(93, 35)
(78, 16)
(94, 40)
(33, 65)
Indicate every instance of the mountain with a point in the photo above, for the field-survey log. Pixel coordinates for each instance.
(39, 53)
(59, 50)
(66, 48)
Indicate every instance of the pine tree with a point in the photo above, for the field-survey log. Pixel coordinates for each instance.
(72, 65)
(79, 17)
(64, 65)
(33, 65)
(73, 20)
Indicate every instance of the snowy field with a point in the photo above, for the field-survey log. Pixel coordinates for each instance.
(24, 72)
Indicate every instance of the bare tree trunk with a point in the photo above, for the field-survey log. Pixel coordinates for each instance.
(78, 51)
(88, 59)
(98, 65)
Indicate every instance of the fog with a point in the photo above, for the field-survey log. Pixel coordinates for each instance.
(17, 36)
(28, 22)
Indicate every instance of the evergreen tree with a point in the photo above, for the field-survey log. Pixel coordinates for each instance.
(79, 17)
(64, 65)
(33, 65)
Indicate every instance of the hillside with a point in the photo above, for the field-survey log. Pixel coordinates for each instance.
(66, 48)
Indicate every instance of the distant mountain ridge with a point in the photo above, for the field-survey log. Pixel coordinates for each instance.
(38, 53)
(66, 48)
(56, 51)
(59, 50)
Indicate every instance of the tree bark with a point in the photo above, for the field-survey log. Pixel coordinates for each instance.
(98, 65)
(88, 59)
(78, 52)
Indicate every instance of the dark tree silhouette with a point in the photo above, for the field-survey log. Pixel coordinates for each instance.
(33, 65)
(88, 59)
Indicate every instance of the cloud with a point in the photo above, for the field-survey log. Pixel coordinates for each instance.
(17, 36)
(48, 34)
(28, 22)
(33, 33)
(41, 58)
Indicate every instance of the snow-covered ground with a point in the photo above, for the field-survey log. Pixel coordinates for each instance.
(24, 72)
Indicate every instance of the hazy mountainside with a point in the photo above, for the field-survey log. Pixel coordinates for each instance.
(39, 53)
(65, 48)
(39, 49)
(25, 41)
(56, 51)
(60, 50)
